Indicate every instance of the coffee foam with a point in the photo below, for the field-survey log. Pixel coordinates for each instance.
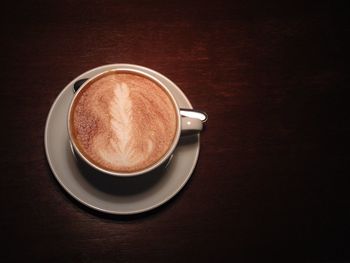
(123, 122)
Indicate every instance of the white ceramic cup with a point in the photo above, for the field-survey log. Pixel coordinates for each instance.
(185, 126)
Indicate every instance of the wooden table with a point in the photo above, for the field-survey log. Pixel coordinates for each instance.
(272, 178)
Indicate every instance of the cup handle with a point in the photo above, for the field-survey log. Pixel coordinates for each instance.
(196, 114)
(190, 126)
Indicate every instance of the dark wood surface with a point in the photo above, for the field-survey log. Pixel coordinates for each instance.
(272, 178)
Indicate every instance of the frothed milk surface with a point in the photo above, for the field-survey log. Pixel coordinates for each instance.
(123, 122)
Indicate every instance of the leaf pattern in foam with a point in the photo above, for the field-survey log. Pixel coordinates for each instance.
(121, 123)
(121, 145)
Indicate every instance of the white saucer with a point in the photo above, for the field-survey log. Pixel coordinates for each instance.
(107, 193)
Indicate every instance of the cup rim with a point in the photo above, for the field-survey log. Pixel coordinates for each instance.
(148, 168)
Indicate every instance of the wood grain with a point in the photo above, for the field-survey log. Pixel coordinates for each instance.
(273, 174)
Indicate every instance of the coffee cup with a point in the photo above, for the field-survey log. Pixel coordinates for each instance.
(125, 122)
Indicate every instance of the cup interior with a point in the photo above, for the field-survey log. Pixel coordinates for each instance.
(147, 169)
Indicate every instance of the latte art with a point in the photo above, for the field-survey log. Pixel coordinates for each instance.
(121, 149)
(123, 122)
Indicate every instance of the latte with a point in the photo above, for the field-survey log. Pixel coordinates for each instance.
(123, 122)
